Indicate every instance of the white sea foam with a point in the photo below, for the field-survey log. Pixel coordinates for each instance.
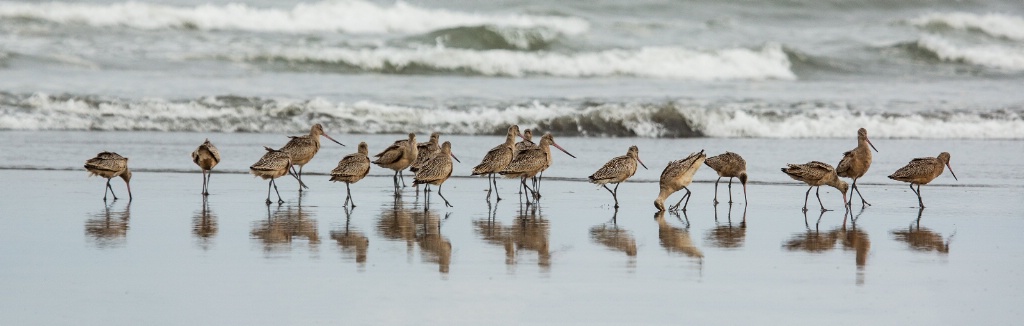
(769, 62)
(736, 120)
(998, 25)
(348, 16)
(990, 55)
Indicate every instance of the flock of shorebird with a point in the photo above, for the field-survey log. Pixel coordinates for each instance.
(431, 164)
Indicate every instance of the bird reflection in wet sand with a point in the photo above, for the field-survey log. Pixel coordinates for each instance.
(811, 240)
(923, 239)
(396, 223)
(351, 241)
(204, 226)
(284, 226)
(109, 228)
(676, 239)
(727, 235)
(434, 247)
(616, 239)
(528, 232)
(815, 241)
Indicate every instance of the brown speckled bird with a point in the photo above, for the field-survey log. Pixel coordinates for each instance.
(527, 141)
(921, 171)
(816, 174)
(497, 159)
(424, 151)
(206, 156)
(677, 175)
(530, 162)
(303, 148)
(109, 165)
(436, 171)
(398, 157)
(617, 170)
(855, 163)
(274, 164)
(352, 168)
(730, 165)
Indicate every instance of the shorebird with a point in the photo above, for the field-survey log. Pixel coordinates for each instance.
(617, 170)
(352, 168)
(424, 151)
(816, 174)
(398, 157)
(109, 165)
(921, 171)
(273, 164)
(530, 162)
(497, 159)
(729, 165)
(206, 156)
(677, 175)
(527, 141)
(855, 163)
(436, 171)
(302, 148)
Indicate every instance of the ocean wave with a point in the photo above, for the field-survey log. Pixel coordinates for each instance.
(769, 62)
(997, 25)
(490, 38)
(348, 16)
(681, 118)
(1010, 58)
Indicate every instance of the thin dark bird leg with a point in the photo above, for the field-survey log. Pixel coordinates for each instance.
(615, 194)
(299, 176)
(204, 183)
(348, 196)
(716, 190)
(268, 191)
(402, 177)
(279, 200)
(494, 179)
(111, 191)
(730, 190)
(819, 199)
(685, 196)
(919, 200)
(206, 187)
(523, 183)
(807, 195)
(862, 201)
(616, 198)
(442, 195)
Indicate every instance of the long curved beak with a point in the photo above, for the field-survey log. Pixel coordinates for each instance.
(342, 145)
(456, 158)
(951, 172)
(563, 150)
(872, 145)
(642, 163)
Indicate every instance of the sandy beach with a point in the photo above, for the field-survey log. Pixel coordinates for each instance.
(234, 260)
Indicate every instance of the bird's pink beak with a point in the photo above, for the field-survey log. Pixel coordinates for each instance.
(456, 158)
(642, 163)
(335, 141)
(870, 144)
(563, 150)
(951, 172)
(129, 186)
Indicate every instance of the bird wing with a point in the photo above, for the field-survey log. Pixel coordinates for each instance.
(526, 161)
(272, 161)
(615, 168)
(677, 167)
(352, 165)
(397, 146)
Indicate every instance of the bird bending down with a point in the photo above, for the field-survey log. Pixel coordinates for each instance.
(301, 149)
(921, 171)
(109, 165)
(273, 164)
(206, 156)
(617, 170)
(855, 163)
(497, 159)
(436, 171)
(678, 175)
(352, 168)
(530, 162)
(398, 157)
(729, 165)
(816, 174)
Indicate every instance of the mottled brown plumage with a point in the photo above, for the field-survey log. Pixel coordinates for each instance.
(424, 151)
(274, 164)
(921, 171)
(398, 157)
(303, 148)
(109, 165)
(527, 141)
(855, 163)
(678, 175)
(729, 165)
(617, 170)
(351, 169)
(497, 159)
(816, 174)
(206, 156)
(528, 163)
(436, 171)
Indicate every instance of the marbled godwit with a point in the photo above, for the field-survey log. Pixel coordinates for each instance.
(497, 159)
(816, 174)
(527, 141)
(302, 148)
(530, 162)
(677, 175)
(398, 157)
(617, 170)
(206, 156)
(855, 163)
(352, 168)
(921, 171)
(729, 165)
(109, 165)
(273, 164)
(436, 171)
(424, 151)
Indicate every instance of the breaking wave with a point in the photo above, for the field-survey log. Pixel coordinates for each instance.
(996, 25)
(681, 118)
(1008, 58)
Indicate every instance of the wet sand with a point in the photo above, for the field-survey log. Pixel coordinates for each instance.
(69, 258)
